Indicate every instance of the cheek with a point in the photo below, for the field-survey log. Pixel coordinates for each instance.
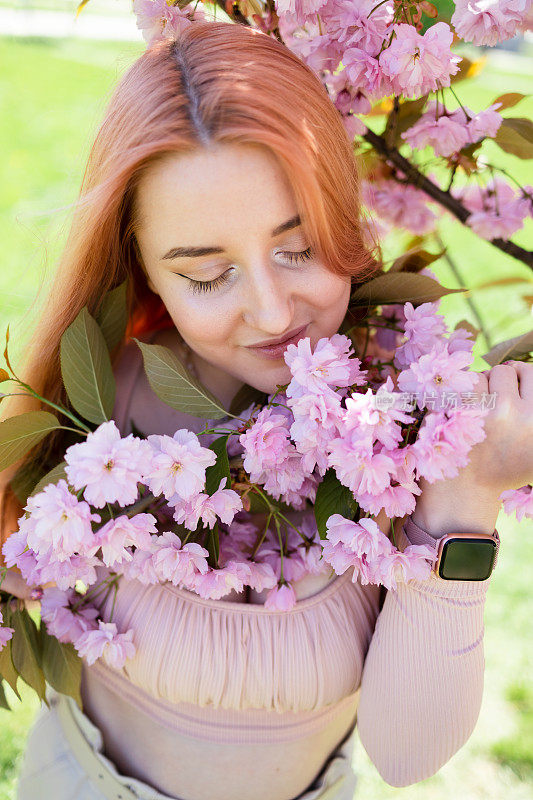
(330, 294)
(200, 320)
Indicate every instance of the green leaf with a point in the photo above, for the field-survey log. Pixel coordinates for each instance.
(112, 316)
(3, 699)
(174, 384)
(399, 287)
(54, 476)
(212, 543)
(332, 498)
(414, 260)
(245, 397)
(25, 479)
(220, 469)
(26, 651)
(20, 433)
(515, 135)
(508, 100)
(86, 369)
(514, 348)
(61, 665)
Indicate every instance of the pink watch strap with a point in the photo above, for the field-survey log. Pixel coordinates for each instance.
(417, 535)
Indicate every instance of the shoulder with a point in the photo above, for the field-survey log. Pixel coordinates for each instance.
(135, 400)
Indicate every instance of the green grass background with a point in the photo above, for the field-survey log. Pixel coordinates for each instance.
(52, 96)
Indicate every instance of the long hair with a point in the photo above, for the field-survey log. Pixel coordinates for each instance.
(215, 83)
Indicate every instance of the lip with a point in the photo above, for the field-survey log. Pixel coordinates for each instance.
(276, 347)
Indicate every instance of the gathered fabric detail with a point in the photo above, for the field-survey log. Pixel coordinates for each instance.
(243, 656)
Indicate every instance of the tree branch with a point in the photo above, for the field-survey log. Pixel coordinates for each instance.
(450, 203)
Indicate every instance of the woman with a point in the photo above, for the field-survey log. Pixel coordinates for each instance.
(223, 185)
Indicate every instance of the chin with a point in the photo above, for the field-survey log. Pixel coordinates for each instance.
(268, 383)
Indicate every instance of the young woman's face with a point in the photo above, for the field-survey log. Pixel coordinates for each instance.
(222, 246)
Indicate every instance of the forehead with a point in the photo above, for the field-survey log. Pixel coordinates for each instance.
(210, 192)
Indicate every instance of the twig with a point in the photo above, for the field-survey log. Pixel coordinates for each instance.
(414, 177)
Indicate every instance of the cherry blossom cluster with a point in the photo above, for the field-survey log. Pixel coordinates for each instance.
(497, 209)
(338, 416)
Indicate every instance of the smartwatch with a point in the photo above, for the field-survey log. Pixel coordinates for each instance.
(458, 556)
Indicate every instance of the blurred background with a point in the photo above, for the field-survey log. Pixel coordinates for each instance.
(56, 74)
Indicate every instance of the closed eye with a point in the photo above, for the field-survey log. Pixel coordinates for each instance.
(197, 287)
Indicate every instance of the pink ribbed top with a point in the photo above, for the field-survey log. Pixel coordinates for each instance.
(236, 673)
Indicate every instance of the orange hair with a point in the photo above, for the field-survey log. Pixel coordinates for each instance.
(216, 83)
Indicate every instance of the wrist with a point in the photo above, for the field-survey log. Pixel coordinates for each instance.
(450, 506)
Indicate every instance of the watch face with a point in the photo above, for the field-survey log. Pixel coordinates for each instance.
(466, 559)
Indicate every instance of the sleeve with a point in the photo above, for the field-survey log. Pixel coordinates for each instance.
(422, 681)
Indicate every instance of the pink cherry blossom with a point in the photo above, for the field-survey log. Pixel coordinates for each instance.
(436, 373)
(444, 440)
(317, 418)
(445, 135)
(216, 583)
(414, 563)
(299, 9)
(105, 642)
(338, 556)
(345, 96)
(156, 19)
(118, 535)
(63, 620)
(108, 466)
(356, 464)
(5, 633)
(363, 24)
(141, 567)
(58, 521)
(377, 414)
(66, 573)
(176, 563)
(423, 328)
(329, 364)
(281, 598)
(313, 44)
(518, 500)
(417, 64)
(488, 22)
(366, 73)
(16, 553)
(262, 576)
(400, 205)
(497, 210)
(362, 537)
(266, 443)
(484, 123)
(178, 465)
(222, 504)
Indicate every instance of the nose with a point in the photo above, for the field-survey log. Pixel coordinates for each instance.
(269, 302)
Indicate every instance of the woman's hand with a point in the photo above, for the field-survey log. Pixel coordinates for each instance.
(503, 460)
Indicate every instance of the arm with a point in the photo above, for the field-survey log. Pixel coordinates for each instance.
(422, 681)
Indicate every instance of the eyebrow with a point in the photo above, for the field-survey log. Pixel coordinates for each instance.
(195, 252)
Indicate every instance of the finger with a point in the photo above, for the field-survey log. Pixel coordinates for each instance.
(482, 383)
(525, 378)
(503, 379)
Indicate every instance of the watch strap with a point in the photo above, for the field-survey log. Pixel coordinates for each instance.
(416, 535)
